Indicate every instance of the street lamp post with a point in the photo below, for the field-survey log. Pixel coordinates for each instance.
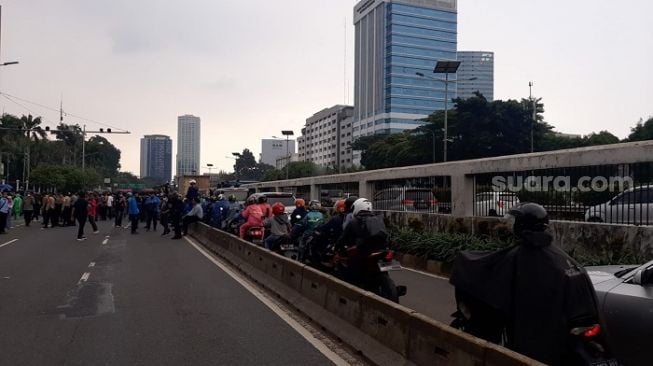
(209, 166)
(446, 68)
(287, 133)
(237, 156)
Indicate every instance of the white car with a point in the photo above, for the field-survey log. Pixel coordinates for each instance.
(494, 203)
(633, 206)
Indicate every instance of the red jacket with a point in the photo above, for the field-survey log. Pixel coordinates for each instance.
(253, 215)
(92, 207)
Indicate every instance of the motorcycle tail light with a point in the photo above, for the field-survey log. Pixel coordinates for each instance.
(593, 331)
(389, 256)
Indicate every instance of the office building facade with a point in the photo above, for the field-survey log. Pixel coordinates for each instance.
(273, 149)
(479, 66)
(188, 145)
(395, 39)
(156, 157)
(327, 136)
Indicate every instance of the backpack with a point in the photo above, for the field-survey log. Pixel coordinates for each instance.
(374, 229)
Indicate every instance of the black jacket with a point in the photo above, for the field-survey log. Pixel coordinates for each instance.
(538, 290)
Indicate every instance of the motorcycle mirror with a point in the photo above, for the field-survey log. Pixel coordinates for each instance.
(637, 279)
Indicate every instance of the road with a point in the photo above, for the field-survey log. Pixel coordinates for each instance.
(428, 294)
(121, 299)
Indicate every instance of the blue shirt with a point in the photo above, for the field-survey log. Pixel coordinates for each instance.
(132, 206)
(4, 205)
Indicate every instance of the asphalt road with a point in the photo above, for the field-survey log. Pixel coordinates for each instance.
(121, 299)
(430, 295)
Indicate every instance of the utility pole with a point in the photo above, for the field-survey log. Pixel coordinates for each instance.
(534, 119)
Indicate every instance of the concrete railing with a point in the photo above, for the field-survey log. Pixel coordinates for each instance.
(462, 173)
(386, 333)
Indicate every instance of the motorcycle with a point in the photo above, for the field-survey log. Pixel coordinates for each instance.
(286, 247)
(585, 345)
(370, 273)
(255, 235)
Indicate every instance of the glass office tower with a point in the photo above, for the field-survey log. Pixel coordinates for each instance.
(395, 39)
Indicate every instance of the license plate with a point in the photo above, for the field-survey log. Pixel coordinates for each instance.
(389, 266)
(606, 363)
(287, 247)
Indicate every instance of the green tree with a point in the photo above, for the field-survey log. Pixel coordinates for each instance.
(642, 131)
(103, 156)
(245, 167)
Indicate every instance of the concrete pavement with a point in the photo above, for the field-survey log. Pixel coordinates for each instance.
(118, 299)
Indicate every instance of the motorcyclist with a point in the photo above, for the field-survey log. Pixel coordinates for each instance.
(367, 232)
(233, 215)
(328, 233)
(299, 212)
(310, 222)
(533, 290)
(266, 209)
(253, 214)
(220, 211)
(349, 208)
(279, 225)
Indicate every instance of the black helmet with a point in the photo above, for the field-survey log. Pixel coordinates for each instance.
(529, 216)
(262, 199)
(349, 203)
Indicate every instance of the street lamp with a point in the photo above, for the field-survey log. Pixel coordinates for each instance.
(209, 166)
(287, 133)
(9, 63)
(446, 68)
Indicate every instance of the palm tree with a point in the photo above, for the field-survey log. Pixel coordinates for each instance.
(33, 132)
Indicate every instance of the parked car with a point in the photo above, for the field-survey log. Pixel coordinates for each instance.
(494, 203)
(406, 199)
(633, 206)
(287, 198)
(625, 298)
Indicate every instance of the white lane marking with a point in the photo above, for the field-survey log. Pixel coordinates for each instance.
(92, 264)
(425, 273)
(85, 277)
(108, 236)
(105, 241)
(332, 356)
(9, 242)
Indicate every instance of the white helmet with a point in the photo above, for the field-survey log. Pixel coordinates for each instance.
(192, 181)
(362, 204)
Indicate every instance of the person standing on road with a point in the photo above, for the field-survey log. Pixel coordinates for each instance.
(28, 208)
(17, 210)
(165, 214)
(132, 209)
(66, 210)
(151, 205)
(110, 206)
(4, 212)
(120, 205)
(92, 212)
(176, 211)
(48, 210)
(10, 202)
(37, 206)
(80, 212)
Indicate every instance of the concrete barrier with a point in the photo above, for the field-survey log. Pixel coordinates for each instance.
(384, 332)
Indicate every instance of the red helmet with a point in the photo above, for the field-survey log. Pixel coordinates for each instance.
(278, 208)
(340, 206)
(300, 202)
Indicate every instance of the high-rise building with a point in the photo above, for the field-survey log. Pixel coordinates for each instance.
(273, 149)
(395, 39)
(479, 67)
(156, 157)
(188, 145)
(326, 138)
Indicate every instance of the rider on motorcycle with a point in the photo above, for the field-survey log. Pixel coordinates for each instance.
(328, 233)
(310, 222)
(252, 213)
(299, 212)
(220, 211)
(349, 209)
(534, 291)
(279, 225)
(262, 201)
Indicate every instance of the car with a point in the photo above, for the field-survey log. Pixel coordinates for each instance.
(633, 206)
(286, 198)
(328, 197)
(406, 199)
(494, 203)
(625, 299)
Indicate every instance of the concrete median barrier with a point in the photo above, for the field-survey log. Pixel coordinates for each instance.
(384, 332)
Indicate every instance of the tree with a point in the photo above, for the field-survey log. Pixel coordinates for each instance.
(601, 138)
(642, 131)
(246, 166)
(103, 156)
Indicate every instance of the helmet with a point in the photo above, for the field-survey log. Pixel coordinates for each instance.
(220, 197)
(250, 200)
(278, 208)
(362, 205)
(529, 216)
(314, 205)
(300, 203)
(349, 203)
(192, 181)
(232, 198)
(262, 199)
(340, 206)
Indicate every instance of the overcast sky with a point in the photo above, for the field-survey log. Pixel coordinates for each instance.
(251, 68)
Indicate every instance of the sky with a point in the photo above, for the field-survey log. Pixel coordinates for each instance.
(250, 68)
